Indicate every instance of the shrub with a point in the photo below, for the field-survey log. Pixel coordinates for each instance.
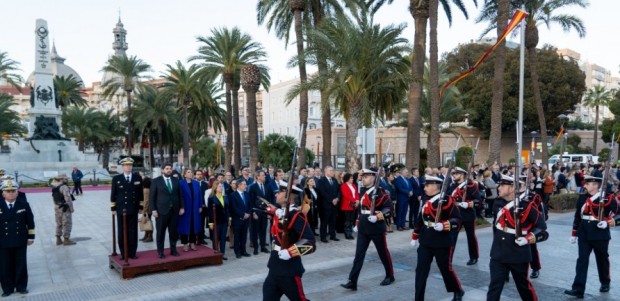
(566, 201)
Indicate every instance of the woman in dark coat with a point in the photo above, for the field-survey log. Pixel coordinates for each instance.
(218, 211)
(190, 223)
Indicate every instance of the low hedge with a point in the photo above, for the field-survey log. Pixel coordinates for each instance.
(561, 202)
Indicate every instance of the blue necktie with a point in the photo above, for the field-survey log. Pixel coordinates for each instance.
(243, 197)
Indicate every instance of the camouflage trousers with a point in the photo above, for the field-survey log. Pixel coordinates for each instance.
(63, 222)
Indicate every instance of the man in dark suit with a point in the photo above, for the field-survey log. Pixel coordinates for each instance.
(259, 217)
(417, 185)
(240, 210)
(329, 195)
(198, 176)
(125, 197)
(18, 232)
(404, 191)
(245, 175)
(167, 203)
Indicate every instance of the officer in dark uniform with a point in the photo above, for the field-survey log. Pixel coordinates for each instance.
(467, 198)
(511, 253)
(539, 204)
(17, 222)
(126, 196)
(371, 226)
(285, 266)
(433, 238)
(592, 234)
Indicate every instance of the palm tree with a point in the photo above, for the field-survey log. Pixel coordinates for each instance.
(540, 12)
(10, 123)
(223, 54)
(250, 80)
(68, 91)
(128, 71)
(7, 69)
(210, 115)
(594, 98)
(154, 112)
(84, 124)
(367, 71)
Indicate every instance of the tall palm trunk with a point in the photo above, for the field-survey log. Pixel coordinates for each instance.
(236, 127)
(433, 148)
(151, 149)
(106, 157)
(297, 6)
(497, 103)
(229, 121)
(252, 124)
(595, 132)
(420, 16)
(129, 124)
(186, 101)
(531, 40)
(353, 124)
(160, 144)
(326, 114)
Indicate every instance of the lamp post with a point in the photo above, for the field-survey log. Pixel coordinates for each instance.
(563, 118)
(533, 148)
(379, 155)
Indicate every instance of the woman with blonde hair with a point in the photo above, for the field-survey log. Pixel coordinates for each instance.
(217, 210)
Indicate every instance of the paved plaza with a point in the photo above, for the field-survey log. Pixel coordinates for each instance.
(81, 272)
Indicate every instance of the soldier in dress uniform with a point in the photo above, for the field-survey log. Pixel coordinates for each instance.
(593, 234)
(371, 226)
(285, 266)
(538, 203)
(17, 222)
(467, 198)
(126, 196)
(433, 238)
(511, 253)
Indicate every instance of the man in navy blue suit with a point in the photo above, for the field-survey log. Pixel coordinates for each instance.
(240, 209)
(417, 185)
(404, 191)
(259, 218)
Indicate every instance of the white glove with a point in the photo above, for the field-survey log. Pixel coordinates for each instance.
(355, 229)
(284, 255)
(415, 243)
(602, 225)
(372, 218)
(464, 205)
(438, 227)
(573, 239)
(521, 241)
(279, 213)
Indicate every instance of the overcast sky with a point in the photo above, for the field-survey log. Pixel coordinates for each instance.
(162, 32)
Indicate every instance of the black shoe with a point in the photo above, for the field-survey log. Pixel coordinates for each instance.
(351, 237)
(264, 250)
(604, 288)
(224, 258)
(246, 254)
(387, 281)
(535, 274)
(472, 261)
(574, 293)
(23, 292)
(255, 251)
(324, 240)
(122, 257)
(161, 255)
(335, 239)
(6, 294)
(458, 296)
(134, 257)
(174, 253)
(350, 285)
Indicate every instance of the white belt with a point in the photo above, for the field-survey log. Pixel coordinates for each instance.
(431, 224)
(590, 218)
(276, 248)
(365, 211)
(509, 230)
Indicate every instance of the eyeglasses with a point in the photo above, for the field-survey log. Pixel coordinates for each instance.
(10, 191)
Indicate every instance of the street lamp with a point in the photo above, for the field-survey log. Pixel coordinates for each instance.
(380, 156)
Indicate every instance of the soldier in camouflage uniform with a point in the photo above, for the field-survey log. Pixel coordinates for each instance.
(63, 210)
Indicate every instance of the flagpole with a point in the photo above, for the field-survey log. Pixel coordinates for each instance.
(521, 87)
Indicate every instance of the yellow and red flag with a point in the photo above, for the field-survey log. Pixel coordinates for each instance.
(559, 135)
(518, 16)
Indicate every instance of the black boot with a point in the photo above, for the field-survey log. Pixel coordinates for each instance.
(458, 296)
(350, 285)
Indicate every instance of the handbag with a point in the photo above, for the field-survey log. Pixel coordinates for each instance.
(146, 224)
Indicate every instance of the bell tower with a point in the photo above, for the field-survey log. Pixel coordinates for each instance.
(120, 43)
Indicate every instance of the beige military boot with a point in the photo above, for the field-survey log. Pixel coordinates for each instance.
(58, 240)
(68, 242)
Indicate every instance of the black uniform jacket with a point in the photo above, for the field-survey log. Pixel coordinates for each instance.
(587, 215)
(299, 234)
(457, 190)
(17, 224)
(126, 195)
(423, 226)
(383, 203)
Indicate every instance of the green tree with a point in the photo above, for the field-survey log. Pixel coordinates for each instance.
(540, 12)
(277, 150)
(368, 72)
(103, 144)
(205, 152)
(224, 53)
(596, 97)
(10, 123)
(84, 124)
(128, 73)
(8, 67)
(68, 91)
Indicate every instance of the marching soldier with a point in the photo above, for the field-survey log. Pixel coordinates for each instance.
(371, 226)
(511, 253)
(593, 234)
(285, 266)
(462, 188)
(127, 194)
(433, 238)
(18, 222)
(538, 203)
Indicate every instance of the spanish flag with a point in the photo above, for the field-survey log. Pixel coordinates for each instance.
(559, 135)
(518, 16)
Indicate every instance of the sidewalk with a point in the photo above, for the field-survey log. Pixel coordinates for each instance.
(81, 272)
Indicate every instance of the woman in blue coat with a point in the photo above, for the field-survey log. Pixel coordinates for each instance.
(190, 223)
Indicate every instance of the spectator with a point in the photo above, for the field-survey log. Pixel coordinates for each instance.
(562, 181)
(190, 223)
(349, 200)
(218, 211)
(548, 186)
(146, 208)
(76, 177)
(490, 193)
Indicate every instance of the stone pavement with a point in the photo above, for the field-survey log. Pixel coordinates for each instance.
(81, 272)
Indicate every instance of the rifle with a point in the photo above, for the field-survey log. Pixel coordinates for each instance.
(517, 216)
(373, 198)
(470, 169)
(289, 188)
(603, 188)
(444, 186)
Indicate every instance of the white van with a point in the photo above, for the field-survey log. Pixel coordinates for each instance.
(572, 159)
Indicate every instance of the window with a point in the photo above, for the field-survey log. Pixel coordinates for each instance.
(312, 126)
(311, 112)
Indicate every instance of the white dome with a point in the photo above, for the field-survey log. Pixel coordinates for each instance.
(58, 68)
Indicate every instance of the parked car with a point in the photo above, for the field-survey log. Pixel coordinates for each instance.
(572, 159)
